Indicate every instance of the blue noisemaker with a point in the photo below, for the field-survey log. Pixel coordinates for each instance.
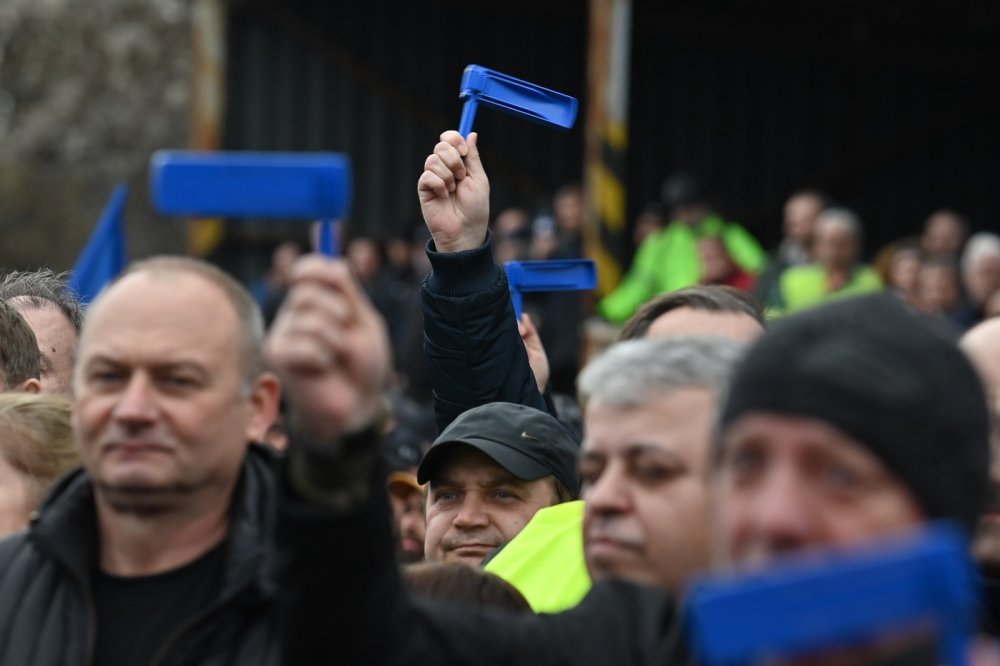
(514, 96)
(554, 275)
(812, 604)
(307, 186)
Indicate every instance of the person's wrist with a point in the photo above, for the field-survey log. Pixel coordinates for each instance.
(469, 240)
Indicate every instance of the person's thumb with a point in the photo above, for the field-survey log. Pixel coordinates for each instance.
(474, 165)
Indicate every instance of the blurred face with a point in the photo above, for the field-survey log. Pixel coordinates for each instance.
(800, 215)
(646, 224)
(282, 261)
(937, 289)
(904, 271)
(15, 499)
(569, 211)
(992, 306)
(57, 341)
(161, 413)
(645, 487)
(688, 321)
(474, 506)
(943, 234)
(716, 265)
(834, 246)
(362, 254)
(408, 510)
(983, 279)
(786, 484)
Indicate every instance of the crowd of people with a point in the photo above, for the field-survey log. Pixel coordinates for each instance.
(352, 463)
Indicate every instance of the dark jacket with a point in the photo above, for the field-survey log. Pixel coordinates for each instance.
(47, 610)
(474, 352)
(341, 594)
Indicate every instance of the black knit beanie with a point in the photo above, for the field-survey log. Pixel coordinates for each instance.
(890, 379)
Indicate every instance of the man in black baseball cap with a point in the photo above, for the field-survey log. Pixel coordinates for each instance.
(488, 473)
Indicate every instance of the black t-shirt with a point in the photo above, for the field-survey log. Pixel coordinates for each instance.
(136, 615)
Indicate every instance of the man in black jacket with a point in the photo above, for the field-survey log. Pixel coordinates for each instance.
(474, 350)
(154, 553)
(836, 433)
(338, 576)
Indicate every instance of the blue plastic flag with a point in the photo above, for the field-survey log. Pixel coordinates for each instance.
(105, 253)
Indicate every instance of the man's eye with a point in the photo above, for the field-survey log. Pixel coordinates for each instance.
(842, 478)
(106, 376)
(654, 473)
(504, 495)
(590, 472)
(744, 462)
(445, 496)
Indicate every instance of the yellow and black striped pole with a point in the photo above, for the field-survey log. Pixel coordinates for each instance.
(607, 136)
(207, 106)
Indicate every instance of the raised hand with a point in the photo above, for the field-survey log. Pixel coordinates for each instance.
(455, 194)
(330, 348)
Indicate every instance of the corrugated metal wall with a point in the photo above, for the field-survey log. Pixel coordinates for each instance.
(889, 106)
(379, 80)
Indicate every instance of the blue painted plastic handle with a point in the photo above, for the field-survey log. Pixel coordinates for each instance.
(556, 275)
(328, 237)
(305, 186)
(482, 86)
(812, 604)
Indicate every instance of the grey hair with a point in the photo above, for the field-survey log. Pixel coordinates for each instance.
(42, 289)
(843, 216)
(981, 245)
(630, 374)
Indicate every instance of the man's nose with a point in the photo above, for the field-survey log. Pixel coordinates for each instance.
(778, 511)
(472, 513)
(136, 404)
(609, 492)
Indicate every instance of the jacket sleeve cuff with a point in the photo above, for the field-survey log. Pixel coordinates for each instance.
(462, 273)
(336, 477)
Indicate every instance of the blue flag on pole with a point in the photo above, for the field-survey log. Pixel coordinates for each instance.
(105, 255)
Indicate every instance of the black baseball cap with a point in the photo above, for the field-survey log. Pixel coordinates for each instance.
(528, 443)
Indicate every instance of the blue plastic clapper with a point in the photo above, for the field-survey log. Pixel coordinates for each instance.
(514, 96)
(302, 186)
(807, 604)
(555, 275)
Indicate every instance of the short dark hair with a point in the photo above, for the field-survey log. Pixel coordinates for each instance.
(20, 358)
(40, 289)
(463, 585)
(708, 298)
(562, 493)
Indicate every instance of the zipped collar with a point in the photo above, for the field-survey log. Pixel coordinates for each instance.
(65, 527)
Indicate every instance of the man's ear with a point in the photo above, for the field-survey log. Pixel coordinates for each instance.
(30, 385)
(265, 396)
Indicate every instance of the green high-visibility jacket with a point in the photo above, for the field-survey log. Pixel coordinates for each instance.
(545, 560)
(668, 260)
(806, 286)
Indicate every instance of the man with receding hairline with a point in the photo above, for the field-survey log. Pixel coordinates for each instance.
(153, 552)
